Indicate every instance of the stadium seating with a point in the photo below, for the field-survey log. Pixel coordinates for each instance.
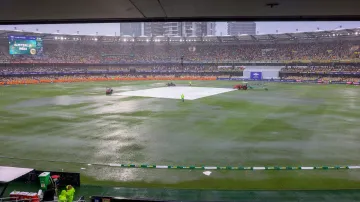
(130, 60)
(321, 69)
(73, 52)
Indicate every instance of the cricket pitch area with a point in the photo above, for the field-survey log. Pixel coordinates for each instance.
(289, 125)
(192, 93)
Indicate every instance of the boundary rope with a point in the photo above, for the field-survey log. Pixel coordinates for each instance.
(196, 167)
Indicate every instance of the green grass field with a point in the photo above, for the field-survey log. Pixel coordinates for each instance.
(289, 125)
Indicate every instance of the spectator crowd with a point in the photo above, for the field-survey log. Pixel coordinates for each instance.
(338, 73)
(131, 60)
(96, 53)
(89, 78)
(322, 69)
(104, 69)
(324, 79)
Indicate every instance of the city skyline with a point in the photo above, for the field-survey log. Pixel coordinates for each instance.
(111, 29)
(240, 28)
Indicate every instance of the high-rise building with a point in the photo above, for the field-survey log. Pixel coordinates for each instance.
(208, 28)
(237, 28)
(189, 28)
(173, 29)
(168, 29)
(131, 29)
(154, 28)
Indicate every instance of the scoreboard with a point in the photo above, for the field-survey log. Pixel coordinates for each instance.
(25, 45)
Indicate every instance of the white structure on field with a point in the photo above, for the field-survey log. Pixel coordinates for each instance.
(190, 93)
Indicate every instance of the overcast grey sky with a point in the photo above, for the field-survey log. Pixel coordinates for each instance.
(111, 28)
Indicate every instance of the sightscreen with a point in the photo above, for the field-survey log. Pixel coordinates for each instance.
(25, 45)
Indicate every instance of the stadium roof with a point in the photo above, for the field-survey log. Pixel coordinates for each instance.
(297, 36)
(149, 10)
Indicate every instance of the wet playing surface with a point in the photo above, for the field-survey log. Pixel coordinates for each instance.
(289, 125)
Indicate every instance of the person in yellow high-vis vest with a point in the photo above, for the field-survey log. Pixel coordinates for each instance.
(70, 192)
(62, 196)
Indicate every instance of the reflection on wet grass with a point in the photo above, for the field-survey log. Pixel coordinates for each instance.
(133, 98)
(275, 181)
(131, 148)
(289, 125)
(145, 113)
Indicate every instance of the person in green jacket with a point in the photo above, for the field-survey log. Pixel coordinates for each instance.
(70, 193)
(182, 97)
(62, 196)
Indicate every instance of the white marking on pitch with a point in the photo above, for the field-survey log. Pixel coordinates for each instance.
(190, 93)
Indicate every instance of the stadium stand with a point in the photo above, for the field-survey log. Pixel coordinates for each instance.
(333, 54)
(67, 52)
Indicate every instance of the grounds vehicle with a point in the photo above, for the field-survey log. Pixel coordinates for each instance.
(109, 91)
(241, 87)
(170, 84)
(245, 86)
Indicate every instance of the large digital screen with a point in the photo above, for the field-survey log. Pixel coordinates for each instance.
(25, 45)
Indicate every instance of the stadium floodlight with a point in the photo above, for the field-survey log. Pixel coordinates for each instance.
(356, 33)
(95, 39)
(147, 40)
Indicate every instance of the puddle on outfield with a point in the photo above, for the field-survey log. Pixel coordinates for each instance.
(119, 106)
(162, 84)
(110, 138)
(60, 100)
(72, 100)
(276, 99)
(47, 147)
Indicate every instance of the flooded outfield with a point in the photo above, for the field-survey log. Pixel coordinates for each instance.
(289, 125)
